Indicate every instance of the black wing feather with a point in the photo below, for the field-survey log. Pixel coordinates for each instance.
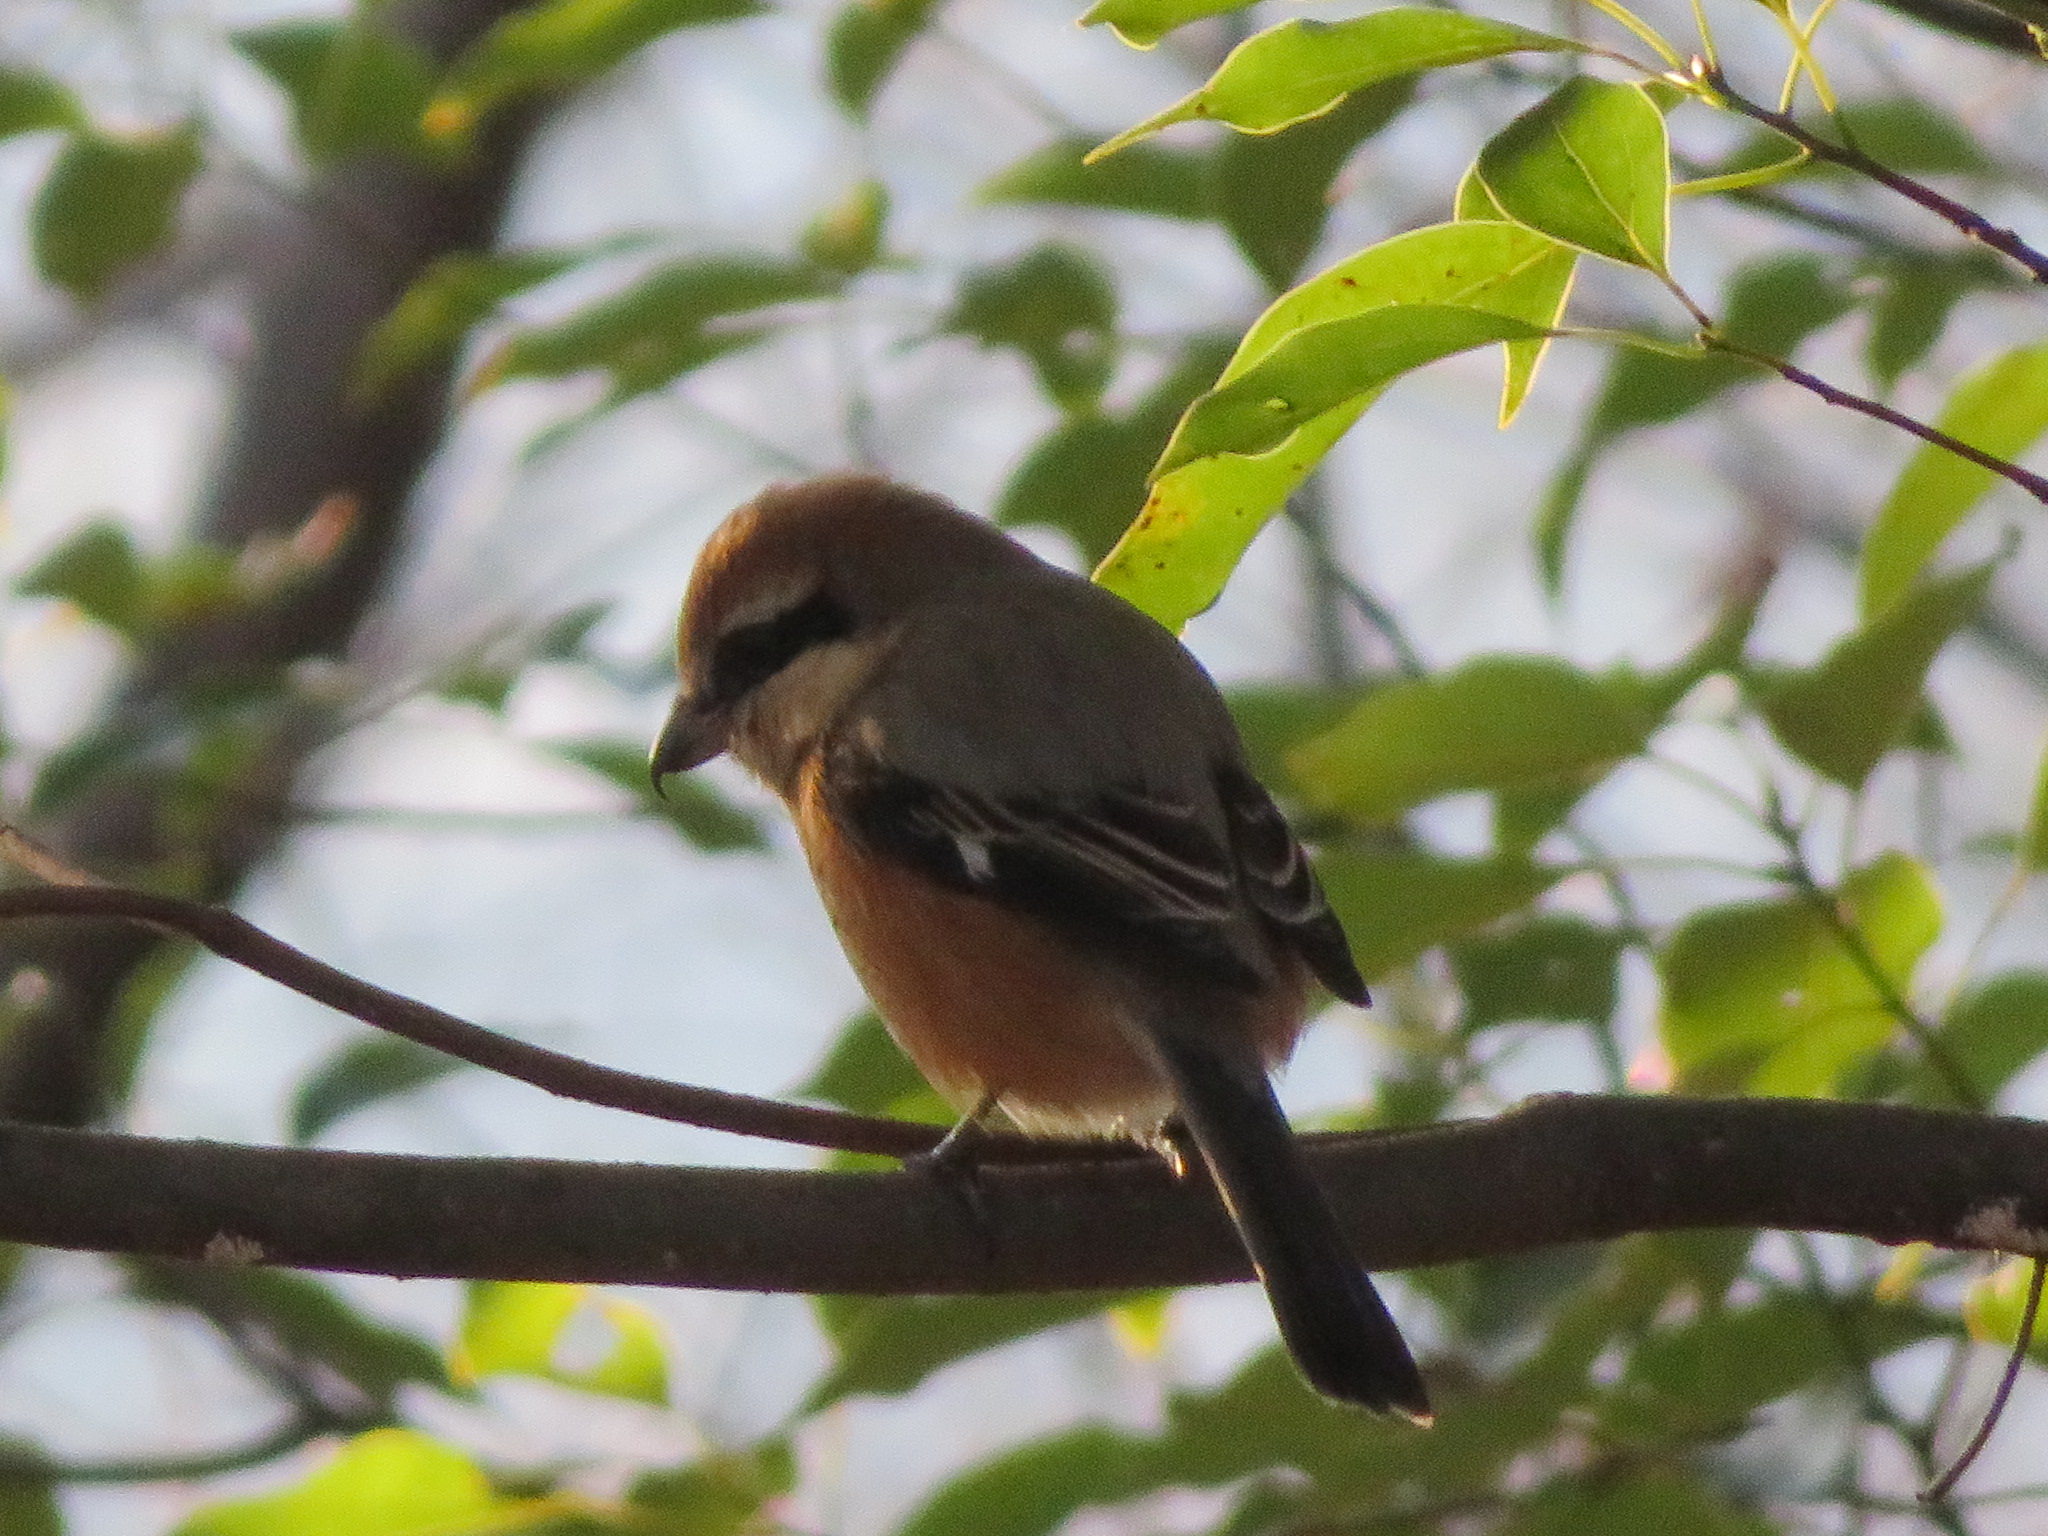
(1283, 886)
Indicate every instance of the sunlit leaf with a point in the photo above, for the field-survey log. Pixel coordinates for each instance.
(1143, 23)
(866, 40)
(1589, 165)
(1857, 702)
(2033, 850)
(1538, 294)
(1057, 306)
(361, 1074)
(1321, 367)
(1768, 996)
(108, 203)
(1198, 520)
(1303, 67)
(1499, 722)
(1995, 1304)
(560, 43)
(389, 1482)
(2002, 409)
(1147, 178)
(1397, 905)
(528, 1329)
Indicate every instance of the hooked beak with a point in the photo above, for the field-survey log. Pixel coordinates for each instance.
(692, 735)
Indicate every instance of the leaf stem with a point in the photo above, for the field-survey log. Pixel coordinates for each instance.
(1972, 225)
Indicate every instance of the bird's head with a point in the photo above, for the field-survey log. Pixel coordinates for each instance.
(793, 602)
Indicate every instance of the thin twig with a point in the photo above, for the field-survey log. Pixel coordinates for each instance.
(1972, 225)
(2034, 485)
(241, 942)
(1942, 1486)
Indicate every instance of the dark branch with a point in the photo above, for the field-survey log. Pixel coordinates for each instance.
(1972, 225)
(242, 942)
(1559, 1170)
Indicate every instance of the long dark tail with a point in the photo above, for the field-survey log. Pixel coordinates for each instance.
(1332, 1320)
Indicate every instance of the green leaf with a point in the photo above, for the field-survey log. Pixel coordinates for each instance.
(687, 802)
(303, 1318)
(1302, 68)
(1147, 178)
(1538, 294)
(1916, 296)
(1903, 133)
(885, 1346)
(1498, 722)
(389, 1482)
(1667, 1502)
(108, 203)
(1772, 305)
(866, 40)
(1859, 700)
(1995, 1305)
(2033, 849)
(1554, 967)
(1197, 522)
(1272, 191)
(557, 44)
(1274, 719)
(29, 1509)
(2001, 409)
(1088, 476)
(1322, 367)
(1707, 1376)
(1766, 996)
(718, 1495)
(430, 320)
(525, 1328)
(1397, 905)
(1589, 165)
(867, 1072)
(1143, 23)
(352, 86)
(1995, 1030)
(656, 330)
(363, 1073)
(31, 101)
(99, 571)
(1057, 306)
(847, 237)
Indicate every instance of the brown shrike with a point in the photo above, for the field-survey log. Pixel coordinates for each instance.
(1031, 820)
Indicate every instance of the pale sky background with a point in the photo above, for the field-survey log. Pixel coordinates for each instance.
(615, 940)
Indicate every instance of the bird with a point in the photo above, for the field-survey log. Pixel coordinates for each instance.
(1033, 825)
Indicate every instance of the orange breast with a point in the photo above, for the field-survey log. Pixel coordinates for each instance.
(986, 1001)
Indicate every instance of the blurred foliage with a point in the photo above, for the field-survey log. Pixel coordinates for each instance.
(1682, 1383)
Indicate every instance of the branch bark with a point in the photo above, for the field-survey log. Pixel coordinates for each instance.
(1558, 1170)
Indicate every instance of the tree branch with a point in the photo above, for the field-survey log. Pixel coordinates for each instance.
(1558, 1170)
(1971, 224)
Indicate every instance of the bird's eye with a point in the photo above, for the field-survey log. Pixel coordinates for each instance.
(747, 657)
